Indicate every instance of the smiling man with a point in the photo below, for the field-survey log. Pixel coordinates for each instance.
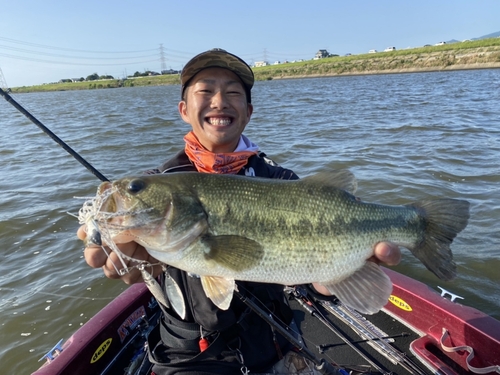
(216, 102)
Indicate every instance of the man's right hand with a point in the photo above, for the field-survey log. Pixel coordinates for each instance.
(96, 258)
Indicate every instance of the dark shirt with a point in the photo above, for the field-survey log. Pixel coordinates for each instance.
(239, 329)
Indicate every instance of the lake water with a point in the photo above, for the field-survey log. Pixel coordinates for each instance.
(405, 136)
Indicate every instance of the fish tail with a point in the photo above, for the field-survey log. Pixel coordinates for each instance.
(443, 219)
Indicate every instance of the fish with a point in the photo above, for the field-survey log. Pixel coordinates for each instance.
(225, 228)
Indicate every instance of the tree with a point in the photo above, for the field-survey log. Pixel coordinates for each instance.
(93, 77)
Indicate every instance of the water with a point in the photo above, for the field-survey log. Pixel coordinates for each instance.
(404, 136)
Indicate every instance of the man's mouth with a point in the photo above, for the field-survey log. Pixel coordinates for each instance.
(219, 121)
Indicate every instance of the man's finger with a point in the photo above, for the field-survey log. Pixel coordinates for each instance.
(387, 253)
(95, 256)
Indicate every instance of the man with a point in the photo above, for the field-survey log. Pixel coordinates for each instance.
(216, 102)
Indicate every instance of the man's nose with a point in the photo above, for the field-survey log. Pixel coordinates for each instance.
(219, 100)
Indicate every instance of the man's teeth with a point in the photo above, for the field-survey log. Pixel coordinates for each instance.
(218, 121)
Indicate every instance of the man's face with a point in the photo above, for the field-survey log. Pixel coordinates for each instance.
(215, 105)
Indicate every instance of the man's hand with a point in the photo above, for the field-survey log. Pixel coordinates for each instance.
(95, 258)
(387, 253)
(384, 252)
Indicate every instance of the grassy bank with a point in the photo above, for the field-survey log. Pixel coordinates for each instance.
(101, 84)
(465, 55)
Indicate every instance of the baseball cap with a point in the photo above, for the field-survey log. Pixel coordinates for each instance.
(217, 57)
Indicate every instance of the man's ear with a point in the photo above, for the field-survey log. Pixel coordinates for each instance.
(182, 107)
(249, 110)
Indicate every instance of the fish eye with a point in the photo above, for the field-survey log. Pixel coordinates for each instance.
(135, 186)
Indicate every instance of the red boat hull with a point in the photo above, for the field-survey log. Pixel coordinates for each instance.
(90, 349)
(431, 314)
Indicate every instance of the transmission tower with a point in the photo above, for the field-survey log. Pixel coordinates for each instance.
(162, 58)
(3, 83)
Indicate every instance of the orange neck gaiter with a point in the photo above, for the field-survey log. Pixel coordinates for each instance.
(224, 163)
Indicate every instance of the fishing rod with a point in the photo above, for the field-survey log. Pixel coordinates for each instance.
(308, 304)
(321, 365)
(324, 347)
(47, 131)
(300, 296)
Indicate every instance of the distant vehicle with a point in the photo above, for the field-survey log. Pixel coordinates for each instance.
(276, 63)
(372, 51)
(390, 49)
(347, 54)
(440, 44)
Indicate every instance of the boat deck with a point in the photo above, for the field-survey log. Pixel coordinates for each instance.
(327, 344)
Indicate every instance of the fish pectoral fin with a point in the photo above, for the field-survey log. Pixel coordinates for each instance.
(367, 290)
(219, 290)
(236, 253)
(340, 179)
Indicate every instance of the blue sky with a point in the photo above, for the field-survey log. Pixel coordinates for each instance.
(44, 41)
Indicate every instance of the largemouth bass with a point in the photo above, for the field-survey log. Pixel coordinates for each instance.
(228, 227)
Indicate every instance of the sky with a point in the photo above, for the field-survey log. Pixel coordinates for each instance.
(45, 41)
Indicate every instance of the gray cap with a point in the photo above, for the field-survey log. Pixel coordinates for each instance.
(218, 58)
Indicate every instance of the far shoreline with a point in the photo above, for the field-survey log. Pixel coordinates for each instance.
(482, 54)
(398, 71)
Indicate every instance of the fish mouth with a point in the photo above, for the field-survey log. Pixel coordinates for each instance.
(219, 120)
(119, 212)
(111, 210)
(105, 193)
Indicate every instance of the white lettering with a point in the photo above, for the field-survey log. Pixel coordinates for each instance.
(249, 172)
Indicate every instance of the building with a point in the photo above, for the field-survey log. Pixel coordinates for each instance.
(261, 63)
(321, 54)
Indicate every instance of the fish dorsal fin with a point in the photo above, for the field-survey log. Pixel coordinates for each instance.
(367, 290)
(219, 290)
(236, 253)
(341, 179)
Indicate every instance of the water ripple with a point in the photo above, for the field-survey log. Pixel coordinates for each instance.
(406, 137)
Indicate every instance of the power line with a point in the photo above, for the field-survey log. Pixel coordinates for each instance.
(69, 49)
(71, 57)
(34, 59)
